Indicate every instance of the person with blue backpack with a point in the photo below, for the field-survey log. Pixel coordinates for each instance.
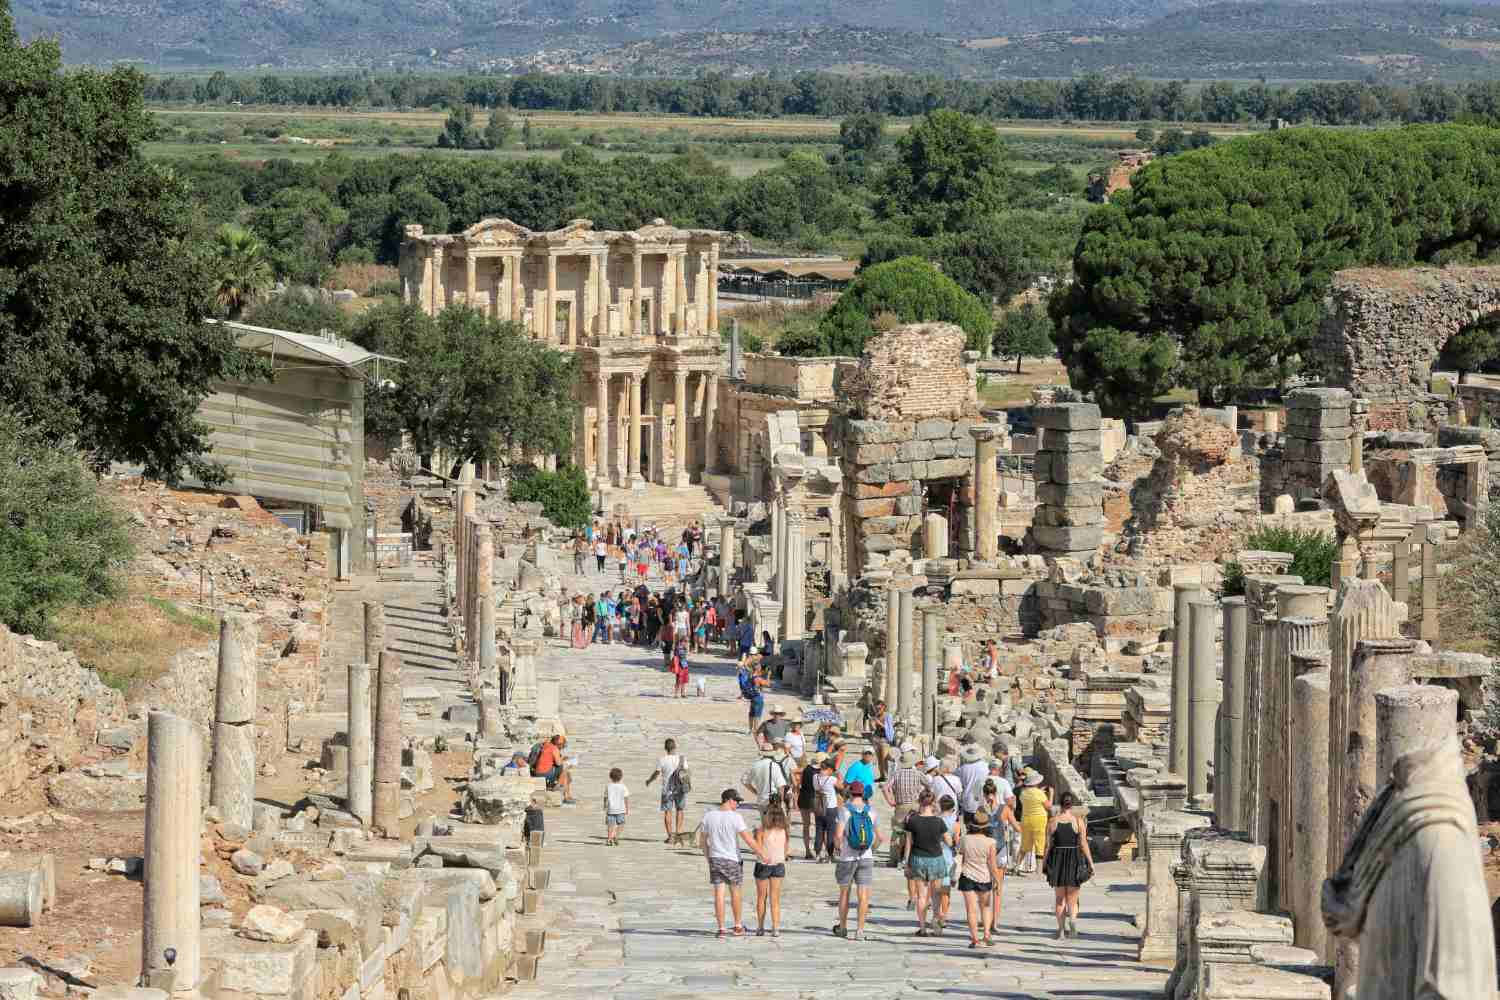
(752, 681)
(857, 834)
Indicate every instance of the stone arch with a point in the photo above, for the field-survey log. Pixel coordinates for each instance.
(1383, 328)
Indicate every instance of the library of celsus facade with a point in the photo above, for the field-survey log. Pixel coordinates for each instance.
(639, 308)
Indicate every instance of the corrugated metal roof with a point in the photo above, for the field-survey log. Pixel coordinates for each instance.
(305, 346)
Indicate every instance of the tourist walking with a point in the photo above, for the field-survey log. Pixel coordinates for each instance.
(580, 550)
(998, 802)
(673, 792)
(977, 877)
(925, 862)
(972, 772)
(770, 871)
(601, 550)
(807, 800)
(1069, 864)
(948, 813)
(720, 835)
(768, 776)
(858, 834)
(826, 789)
(902, 794)
(616, 806)
(1035, 806)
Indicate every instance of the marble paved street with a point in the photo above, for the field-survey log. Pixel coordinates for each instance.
(637, 920)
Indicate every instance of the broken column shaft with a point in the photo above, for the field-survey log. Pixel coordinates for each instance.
(232, 787)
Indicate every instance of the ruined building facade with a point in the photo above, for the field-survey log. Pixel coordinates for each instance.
(640, 309)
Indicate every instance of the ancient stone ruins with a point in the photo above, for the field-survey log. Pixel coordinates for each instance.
(1299, 770)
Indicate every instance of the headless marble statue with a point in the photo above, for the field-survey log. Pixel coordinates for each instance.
(1411, 888)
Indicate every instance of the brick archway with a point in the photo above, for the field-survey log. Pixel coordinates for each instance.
(1383, 328)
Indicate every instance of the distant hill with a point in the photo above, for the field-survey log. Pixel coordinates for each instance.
(963, 38)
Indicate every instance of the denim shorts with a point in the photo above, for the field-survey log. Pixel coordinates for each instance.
(763, 872)
(928, 869)
(860, 871)
(671, 802)
(614, 819)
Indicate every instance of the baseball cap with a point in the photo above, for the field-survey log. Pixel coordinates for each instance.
(857, 789)
(727, 794)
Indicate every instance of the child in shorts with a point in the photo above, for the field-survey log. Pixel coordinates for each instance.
(616, 806)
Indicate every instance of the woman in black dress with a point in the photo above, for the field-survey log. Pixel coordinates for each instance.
(1069, 863)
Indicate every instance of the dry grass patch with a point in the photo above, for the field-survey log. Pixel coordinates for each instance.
(131, 640)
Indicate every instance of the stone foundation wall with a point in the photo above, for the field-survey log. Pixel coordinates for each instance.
(913, 372)
(49, 700)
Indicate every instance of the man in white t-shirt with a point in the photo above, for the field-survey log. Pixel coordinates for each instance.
(673, 797)
(856, 865)
(794, 742)
(973, 771)
(720, 835)
(767, 776)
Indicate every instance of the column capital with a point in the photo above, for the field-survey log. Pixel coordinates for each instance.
(984, 433)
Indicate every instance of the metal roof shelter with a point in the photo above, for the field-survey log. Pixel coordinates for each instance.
(300, 437)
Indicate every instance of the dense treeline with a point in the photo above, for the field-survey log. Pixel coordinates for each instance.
(312, 215)
(1093, 97)
(1210, 272)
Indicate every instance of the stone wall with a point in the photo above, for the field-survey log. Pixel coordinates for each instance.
(884, 464)
(913, 372)
(1383, 329)
(1318, 428)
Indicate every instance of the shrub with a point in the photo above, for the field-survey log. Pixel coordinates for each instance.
(1312, 552)
(564, 494)
(61, 541)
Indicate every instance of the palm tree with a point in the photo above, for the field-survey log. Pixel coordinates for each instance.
(244, 273)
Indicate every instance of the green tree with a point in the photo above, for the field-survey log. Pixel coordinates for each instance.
(476, 387)
(241, 268)
(1025, 332)
(458, 129)
(497, 129)
(61, 542)
(564, 494)
(949, 170)
(909, 289)
(528, 134)
(103, 290)
(301, 310)
(301, 226)
(1210, 272)
(863, 134)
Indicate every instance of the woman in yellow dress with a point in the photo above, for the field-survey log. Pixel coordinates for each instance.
(1035, 811)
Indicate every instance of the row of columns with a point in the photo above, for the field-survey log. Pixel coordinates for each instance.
(509, 299)
(896, 685)
(677, 474)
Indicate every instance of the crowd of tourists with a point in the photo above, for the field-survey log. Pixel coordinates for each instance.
(955, 825)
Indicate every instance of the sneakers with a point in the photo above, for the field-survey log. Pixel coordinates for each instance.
(1072, 925)
(840, 931)
(860, 936)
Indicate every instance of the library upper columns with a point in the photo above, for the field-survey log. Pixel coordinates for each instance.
(572, 286)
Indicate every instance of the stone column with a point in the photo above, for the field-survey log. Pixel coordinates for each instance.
(1411, 717)
(489, 714)
(589, 298)
(550, 323)
(1378, 664)
(517, 300)
(778, 533)
(932, 653)
(710, 421)
(601, 423)
(726, 557)
(1363, 611)
(470, 284)
(904, 698)
(1177, 752)
(471, 594)
(169, 910)
(1401, 571)
(679, 303)
(986, 492)
(1429, 626)
(439, 282)
(523, 674)
(793, 605)
(601, 296)
(679, 435)
(1302, 624)
(633, 458)
(359, 786)
(886, 687)
(385, 799)
(485, 596)
(460, 549)
(232, 786)
(1161, 834)
(1358, 409)
(1229, 767)
(374, 630)
(713, 289)
(935, 536)
(635, 289)
(1310, 808)
(1203, 696)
